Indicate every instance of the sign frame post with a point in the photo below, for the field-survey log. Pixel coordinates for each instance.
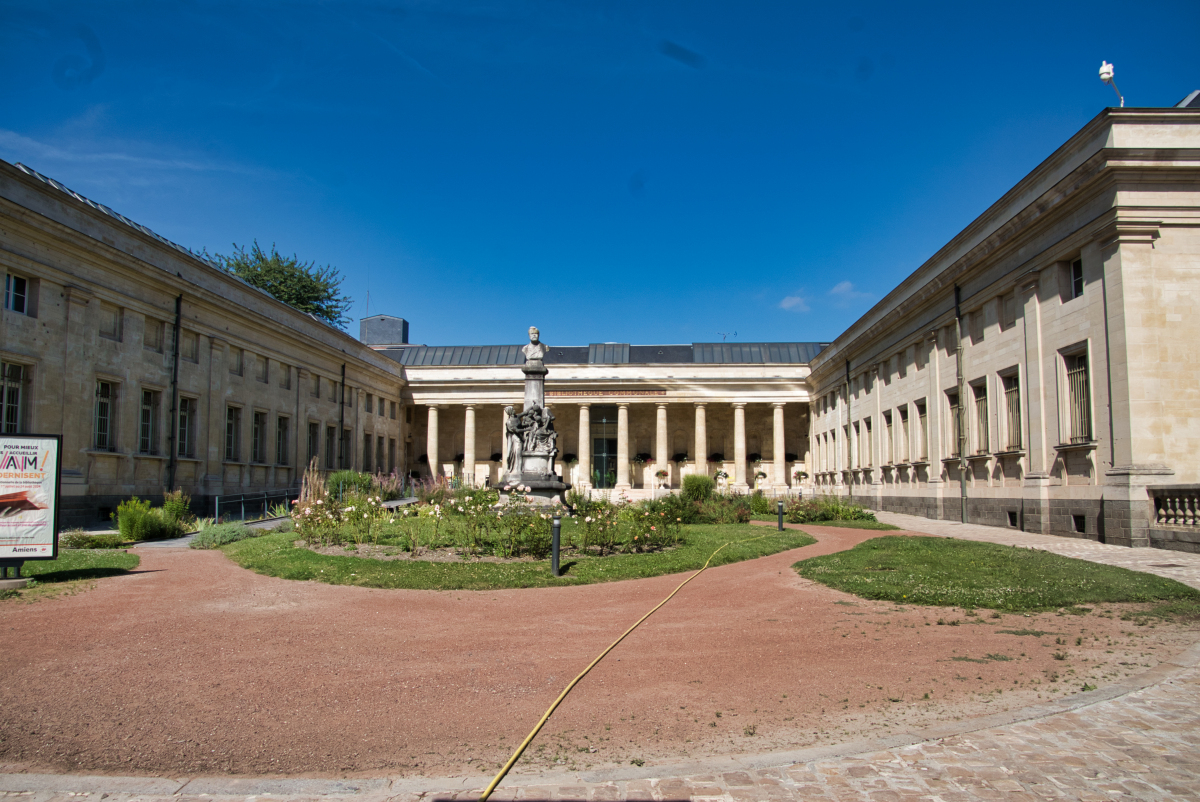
(29, 463)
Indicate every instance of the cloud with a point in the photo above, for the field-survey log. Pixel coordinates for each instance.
(844, 294)
(795, 303)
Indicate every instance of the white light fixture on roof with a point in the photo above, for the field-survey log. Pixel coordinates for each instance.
(1106, 75)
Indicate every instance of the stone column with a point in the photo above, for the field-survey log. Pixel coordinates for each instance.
(660, 442)
(740, 485)
(700, 458)
(431, 440)
(623, 482)
(781, 482)
(585, 447)
(469, 445)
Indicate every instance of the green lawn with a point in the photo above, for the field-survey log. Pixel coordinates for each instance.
(274, 555)
(71, 568)
(882, 527)
(961, 573)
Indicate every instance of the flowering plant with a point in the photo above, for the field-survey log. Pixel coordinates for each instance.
(722, 475)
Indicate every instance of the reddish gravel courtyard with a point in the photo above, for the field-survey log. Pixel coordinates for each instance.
(192, 665)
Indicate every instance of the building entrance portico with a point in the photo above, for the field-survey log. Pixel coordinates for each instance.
(604, 447)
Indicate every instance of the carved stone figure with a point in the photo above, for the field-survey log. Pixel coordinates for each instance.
(532, 441)
(536, 350)
(516, 440)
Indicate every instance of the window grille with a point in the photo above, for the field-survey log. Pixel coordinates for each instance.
(233, 434)
(344, 449)
(314, 441)
(330, 446)
(187, 417)
(103, 439)
(1012, 408)
(889, 444)
(982, 444)
(391, 463)
(258, 438)
(366, 453)
(281, 438)
(1081, 412)
(12, 396)
(379, 463)
(955, 425)
(16, 293)
(148, 423)
(922, 432)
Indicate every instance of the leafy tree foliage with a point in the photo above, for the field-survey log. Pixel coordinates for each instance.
(302, 285)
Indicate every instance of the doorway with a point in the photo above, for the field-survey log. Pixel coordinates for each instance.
(604, 447)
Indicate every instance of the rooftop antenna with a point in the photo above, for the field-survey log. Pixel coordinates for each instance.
(725, 334)
(1106, 75)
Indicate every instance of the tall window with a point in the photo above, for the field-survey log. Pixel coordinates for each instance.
(889, 445)
(148, 422)
(1008, 311)
(1076, 278)
(1080, 395)
(982, 445)
(865, 455)
(281, 439)
(1012, 411)
(103, 438)
(922, 432)
(902, 453)
(12, 397)
(392, 410)
(369, 404)
(330, 446)
(314, 441)
(16, 293)
(258, 438)
(366, 465)
(233, 434)
(344, 449)
(379, 463)
(391, 463)
(955, 424)
(187, 427)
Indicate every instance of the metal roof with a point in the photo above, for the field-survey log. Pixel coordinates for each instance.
(610, 354)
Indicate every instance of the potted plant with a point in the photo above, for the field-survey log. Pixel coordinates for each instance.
(799, 476)
(759, 477)
(661, 476)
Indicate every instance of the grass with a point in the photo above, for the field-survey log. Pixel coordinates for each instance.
(882, 527)
(274, 555)
(71, 571)
(961, 573)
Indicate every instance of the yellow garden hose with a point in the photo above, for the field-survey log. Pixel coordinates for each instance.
(524, 744)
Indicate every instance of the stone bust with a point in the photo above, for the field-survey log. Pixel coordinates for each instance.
(536, 349)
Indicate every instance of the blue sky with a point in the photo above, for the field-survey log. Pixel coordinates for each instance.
(645, 171)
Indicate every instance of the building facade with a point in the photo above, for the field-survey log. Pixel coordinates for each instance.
(1041, 369)
(1038, 372)
(161, 370)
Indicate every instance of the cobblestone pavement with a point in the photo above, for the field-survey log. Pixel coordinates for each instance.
(1178, 565)
(1136, 740)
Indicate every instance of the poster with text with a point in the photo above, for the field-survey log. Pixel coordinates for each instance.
(28, 497)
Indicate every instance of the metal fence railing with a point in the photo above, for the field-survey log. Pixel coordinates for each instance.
(251, 505)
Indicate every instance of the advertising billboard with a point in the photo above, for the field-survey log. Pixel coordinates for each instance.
(29, 496)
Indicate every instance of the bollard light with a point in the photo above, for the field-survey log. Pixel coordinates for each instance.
(779, 509)
(555, 535)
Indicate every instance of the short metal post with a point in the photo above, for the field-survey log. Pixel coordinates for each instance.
(779, 509)
(243, 503)
(217, 509)
(555, 535)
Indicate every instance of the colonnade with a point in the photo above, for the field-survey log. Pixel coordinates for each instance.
(776, 465)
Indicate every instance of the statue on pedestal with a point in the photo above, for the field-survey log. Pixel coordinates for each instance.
(529, 434)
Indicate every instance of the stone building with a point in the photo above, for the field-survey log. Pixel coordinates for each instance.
(624, 413)
(1042, 367)
(1038, 372)
(236, 404)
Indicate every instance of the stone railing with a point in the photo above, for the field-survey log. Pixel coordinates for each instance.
(1176, 505)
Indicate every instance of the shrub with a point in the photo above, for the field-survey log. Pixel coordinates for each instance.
(137, 521)
(825, 508)
(177, 506)
(210, 537)
(344, 483)
(79, 539)
(760, 504)
(697, 487)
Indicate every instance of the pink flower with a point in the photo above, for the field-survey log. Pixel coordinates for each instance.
(654, 529)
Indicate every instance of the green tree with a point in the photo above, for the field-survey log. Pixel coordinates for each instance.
(302, 285)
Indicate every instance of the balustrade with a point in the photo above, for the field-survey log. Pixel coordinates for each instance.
(1176, 505)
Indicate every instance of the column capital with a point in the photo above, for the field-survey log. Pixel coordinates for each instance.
(738, 405)
(470, 406)
(779, 404)
(661, 404)
(699, 404)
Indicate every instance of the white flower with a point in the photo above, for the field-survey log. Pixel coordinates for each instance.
(320, 502)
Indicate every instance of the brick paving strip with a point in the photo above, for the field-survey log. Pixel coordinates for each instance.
(1134, 739)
